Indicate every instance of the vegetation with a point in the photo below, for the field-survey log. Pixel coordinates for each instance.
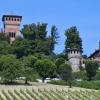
(91, 69)
(73, 39)
(45, 68)
(83, 84)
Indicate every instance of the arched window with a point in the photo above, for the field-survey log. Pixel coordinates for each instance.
(9, 34)
(14, 34)
(14, 19)
(6, 18)
(9, 18)
(17, 19)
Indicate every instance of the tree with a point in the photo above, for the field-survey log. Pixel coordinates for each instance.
(37, 34)
(10, 67)
(45, 68)
(28, 67)
(4, 44)
(91, 69)
(4, 37)
(54, 37)
(35, 31)
(65, 72)
(73, 39)
(59, 62)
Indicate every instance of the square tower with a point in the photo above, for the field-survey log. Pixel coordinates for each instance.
(12, 25)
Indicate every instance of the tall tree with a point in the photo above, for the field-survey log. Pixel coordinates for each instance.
(54, 37)
(73, 39)
(35, 31)
(91, 69)
(65, 72)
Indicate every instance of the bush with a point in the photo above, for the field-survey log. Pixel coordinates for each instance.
(58, 82)
(83, 84)
(97, 76)
(80, 75)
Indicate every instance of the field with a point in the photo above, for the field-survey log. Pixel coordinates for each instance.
(46, 92)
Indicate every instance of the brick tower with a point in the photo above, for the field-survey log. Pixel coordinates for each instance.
(12, 25)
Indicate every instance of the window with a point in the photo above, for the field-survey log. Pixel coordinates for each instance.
(12, 34)
(6, 18)
(17, 19)
(9, 34)
(14, 19)
(9, 18)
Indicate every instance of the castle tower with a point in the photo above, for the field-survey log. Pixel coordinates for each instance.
(75, 57)
(12, 25)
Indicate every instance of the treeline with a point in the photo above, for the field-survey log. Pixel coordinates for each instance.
(32, 55)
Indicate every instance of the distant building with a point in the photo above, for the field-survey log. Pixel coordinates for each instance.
(75, 59)
(12, 25)
(95, 55)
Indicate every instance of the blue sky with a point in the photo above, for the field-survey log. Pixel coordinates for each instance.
(84, 14)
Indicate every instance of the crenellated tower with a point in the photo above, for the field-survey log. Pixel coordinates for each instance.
(12, 25)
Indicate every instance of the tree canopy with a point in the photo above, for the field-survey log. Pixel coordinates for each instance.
(73, 39)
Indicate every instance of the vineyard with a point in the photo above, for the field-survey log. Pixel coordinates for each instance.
(47, 93)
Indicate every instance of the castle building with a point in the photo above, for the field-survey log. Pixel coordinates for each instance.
(75, 59)
(95, 55)
(11, 25)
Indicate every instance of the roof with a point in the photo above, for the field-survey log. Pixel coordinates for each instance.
(95, 54)
(10, 16)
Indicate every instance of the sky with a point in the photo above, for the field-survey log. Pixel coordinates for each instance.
(84, 14)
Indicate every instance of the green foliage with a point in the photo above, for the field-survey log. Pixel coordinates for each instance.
(73, 39)
(65, 72)
(4, 44)
(84, 84)
(58, 82)
(45, 68)
(23, 47)
(97, 76)
(37, 34)
(28, 68)
(91, 68)
(3, 37)
(80, 75)
(54, 37)
(9, 67)
(58, 63)
(35, 31)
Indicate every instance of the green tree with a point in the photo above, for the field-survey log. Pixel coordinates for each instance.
(37, 37)
(35, 31)
(66, 73)
(59, 62)
(91, 69)
(54, 38)
(4, 37)
(45, 68)
(73, 39)
(28, 68)
(4, 44)
(10, 68)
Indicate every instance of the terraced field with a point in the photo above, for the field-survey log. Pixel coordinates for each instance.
(47, 92)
